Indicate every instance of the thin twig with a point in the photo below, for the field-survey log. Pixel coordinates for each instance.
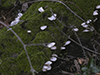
(24, 46)
(44, 44)
(62, 4)
(76, 42)
(71, 11)
(67, 73)
(80, 44)
(10, 10)
(72, 39)
(76, 6)
(95, 54)
(97, 42)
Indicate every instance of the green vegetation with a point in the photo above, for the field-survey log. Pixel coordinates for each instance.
(12, 55)
(90, 68)
(9, 3)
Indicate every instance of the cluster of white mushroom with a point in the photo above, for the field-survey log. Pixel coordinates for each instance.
(95, 13)
(17, 19)
(87, 27)
(75, 29)
(66, 43)
(52, 45)
(53, 17)
(41, 9)
(28, 31)
(47, 65)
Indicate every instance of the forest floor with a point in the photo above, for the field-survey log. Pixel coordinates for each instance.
(69, 64)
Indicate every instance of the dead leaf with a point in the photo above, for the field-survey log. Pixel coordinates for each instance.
(77, 66)
(4, 17)
(82, 61)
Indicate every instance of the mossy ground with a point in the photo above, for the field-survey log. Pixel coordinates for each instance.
(12, 54)
(9, 3)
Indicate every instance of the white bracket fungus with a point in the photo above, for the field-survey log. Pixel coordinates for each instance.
(43, 27)
(88, 21)
(53, 17)
(29, 31)
(98, 7)
(62, 48)
(41, 9)
(75, 29)
(54, 47)
(67, 43)
(51, 44)
(53, 59)
(95, 12)
(47, 66)
(85, 30)
(16, 19)
(54, 55)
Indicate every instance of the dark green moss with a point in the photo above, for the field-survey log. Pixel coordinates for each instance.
(14, 59)
(8, 3)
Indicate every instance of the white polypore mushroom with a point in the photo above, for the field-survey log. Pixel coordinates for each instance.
(88, 21)
(53, 59)
(95, 12)
(46, 67)
(14, 22)
(54, 47)
(62, 48)
(75, 29)
(67, 43)
(85, 30)
(51, 44)
(53, 17)
(48, 63)
(20, 15)
(98, 7)
(44, 70)
(28, 31)
(83, 24)
(41, 9)
(16, 19)
(49, 67)
(54, 55)
(43, 27)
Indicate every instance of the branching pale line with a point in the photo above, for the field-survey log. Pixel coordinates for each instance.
(59, 20)
(97, 42)
(80, 44)
(76, 7)
(62, 4)
(44, 44)
(83, 46)
(95, 55)
(76, 42)
(72, 39)
(71, 10)
(24, 46)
